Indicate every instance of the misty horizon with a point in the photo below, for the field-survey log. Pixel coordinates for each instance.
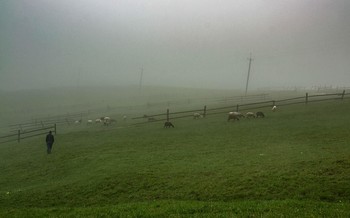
(199, 44)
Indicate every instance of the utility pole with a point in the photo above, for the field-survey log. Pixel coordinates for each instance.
(141, 77)
(250, 62)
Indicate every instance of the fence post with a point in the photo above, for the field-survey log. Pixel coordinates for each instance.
(205, 111)
(342, 95)
(19, 136)
(306, 98)
(237, 107)
(167, 114)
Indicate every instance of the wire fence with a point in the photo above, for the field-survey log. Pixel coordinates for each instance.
(205, 111)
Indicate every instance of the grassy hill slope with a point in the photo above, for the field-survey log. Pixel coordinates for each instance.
(295, 161)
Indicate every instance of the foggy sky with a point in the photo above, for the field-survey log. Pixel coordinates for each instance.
(191, 43)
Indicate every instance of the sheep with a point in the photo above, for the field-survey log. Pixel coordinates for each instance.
(78, 121)
(250, 115)
(168, 124)
(234, 116)
(98, 120)
(197, 116)
(106, 121)
(89, 122)
(260, 114)
(274, 108)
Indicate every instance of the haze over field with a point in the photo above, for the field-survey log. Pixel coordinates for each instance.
(196, 43)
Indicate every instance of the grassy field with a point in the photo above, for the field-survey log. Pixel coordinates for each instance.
(292, 163)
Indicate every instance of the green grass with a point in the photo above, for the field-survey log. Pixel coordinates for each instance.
(292, 163)
(285, 208)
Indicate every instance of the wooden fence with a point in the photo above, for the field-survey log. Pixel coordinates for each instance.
(240, 107)
(43, 122)
(70, 118)
(29, 133)
(31, 129)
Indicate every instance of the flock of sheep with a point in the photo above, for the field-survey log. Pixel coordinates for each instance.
(231, 116)
(106, 121)
(238, 115)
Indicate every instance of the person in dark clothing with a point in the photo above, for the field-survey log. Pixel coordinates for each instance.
(49, 142)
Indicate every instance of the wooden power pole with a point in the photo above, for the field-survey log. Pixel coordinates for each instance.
(250, 62)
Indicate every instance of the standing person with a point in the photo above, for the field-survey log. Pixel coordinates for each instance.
(49, 142)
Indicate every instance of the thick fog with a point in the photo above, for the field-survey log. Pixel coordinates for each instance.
(190, 43)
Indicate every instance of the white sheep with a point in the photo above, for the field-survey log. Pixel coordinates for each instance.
(106, 121)
(250, 115)
(274, 108)
(234, 116)
(77, 122)
(197, 116)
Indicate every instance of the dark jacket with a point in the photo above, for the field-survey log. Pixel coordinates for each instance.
(50, 138)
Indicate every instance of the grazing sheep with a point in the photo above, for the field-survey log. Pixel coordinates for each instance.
(89, 122)
(274, 108)
(234, 116)
(78, 121)
(98, 121)
(106, 121)
(168, 124)
(260, 114)
(250, 115)
(197, 116)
